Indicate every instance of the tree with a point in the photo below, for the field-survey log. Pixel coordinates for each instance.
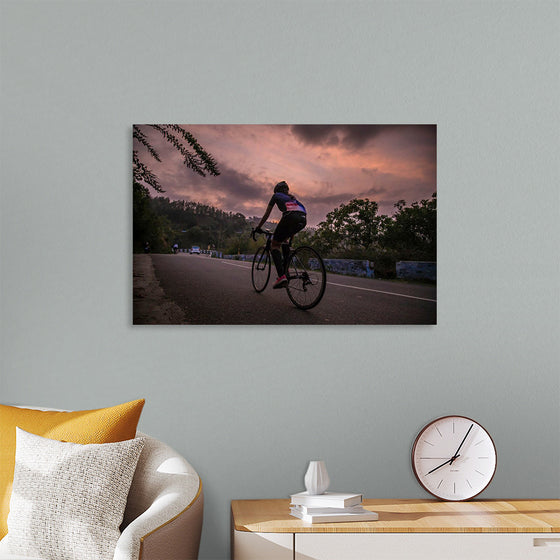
(411, 234)
(355, 224)
(148, 225)
(197, 158)
(356, 231)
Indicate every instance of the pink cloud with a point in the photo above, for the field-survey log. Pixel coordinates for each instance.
(324, 165)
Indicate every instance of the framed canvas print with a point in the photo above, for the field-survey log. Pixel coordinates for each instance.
(284, 224)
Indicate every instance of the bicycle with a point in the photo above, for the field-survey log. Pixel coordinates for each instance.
(305, 271)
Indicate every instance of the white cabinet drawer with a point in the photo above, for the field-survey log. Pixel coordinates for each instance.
(427, 546)
(262, 546)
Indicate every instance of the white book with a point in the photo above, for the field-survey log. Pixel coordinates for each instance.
(312, 510)
(348, 517)
(328, 499)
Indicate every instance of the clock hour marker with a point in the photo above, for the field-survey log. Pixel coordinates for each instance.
(479, 442)
(484, 457)
(482, 474)
(440, 483)
(468, 482)
(426, 441)
(438, 432)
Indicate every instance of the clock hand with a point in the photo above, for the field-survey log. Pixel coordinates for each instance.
(443, 464)
(461, 445)
(456, 455)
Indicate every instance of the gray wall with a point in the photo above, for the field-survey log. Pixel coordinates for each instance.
(76, 75)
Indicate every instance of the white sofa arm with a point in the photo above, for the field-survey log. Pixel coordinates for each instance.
(163, 517)
(175, 539)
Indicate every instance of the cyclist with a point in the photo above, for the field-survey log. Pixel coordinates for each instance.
(294, 219)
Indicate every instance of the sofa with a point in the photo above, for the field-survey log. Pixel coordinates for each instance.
(164, 509)
(163, 516)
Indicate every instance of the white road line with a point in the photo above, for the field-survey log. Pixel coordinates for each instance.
(381, 292)
(247, 267)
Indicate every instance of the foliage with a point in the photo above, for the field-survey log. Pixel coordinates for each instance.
(149, 224)
(355, 230)
(412, 232)
(196, 158)
(351, 231)
(350, 226)
(193, 223)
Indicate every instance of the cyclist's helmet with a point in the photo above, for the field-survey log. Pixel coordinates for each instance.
(282, 187)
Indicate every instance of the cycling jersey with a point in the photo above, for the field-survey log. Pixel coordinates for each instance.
(286, 203)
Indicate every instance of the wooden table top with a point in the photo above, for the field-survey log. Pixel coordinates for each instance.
(409, 516)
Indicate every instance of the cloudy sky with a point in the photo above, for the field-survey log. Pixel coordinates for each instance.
(325, 165)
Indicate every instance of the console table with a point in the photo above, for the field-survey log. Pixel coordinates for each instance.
(406, 529)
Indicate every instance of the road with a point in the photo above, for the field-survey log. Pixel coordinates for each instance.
(216, 291)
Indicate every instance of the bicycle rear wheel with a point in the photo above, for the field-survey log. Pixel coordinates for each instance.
(260, 273)
(307, 278)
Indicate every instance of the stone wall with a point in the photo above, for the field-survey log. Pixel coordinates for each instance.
(417, 270)
(347, 267)
(350, 267)
(406, 270)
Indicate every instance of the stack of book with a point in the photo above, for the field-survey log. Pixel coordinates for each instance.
(330, 507)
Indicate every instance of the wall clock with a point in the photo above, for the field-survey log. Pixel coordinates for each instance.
(454, 458)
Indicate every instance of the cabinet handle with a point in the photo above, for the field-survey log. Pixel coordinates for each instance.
(550, 541)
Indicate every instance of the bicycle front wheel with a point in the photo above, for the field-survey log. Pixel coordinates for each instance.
(260, 273)
(307, 278)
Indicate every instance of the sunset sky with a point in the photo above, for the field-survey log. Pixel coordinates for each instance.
(324, 165)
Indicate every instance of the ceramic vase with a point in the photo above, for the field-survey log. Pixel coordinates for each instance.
(316, 478)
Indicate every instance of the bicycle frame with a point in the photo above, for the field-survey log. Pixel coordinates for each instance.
(299, 274)
(268, 244)
(301, 277)
(269, 235)
(263, 261)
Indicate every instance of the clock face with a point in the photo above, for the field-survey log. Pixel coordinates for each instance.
(454, 458)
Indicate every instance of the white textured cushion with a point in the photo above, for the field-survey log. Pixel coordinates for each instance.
(68, 499)
(16, 557)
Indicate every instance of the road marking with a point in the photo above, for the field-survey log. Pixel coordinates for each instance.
(248, 266)
(238, 265)
(381, 292)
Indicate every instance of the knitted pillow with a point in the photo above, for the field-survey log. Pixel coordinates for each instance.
(103, 425)
(68, 499)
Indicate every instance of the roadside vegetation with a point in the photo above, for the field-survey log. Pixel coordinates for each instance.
(352, 231)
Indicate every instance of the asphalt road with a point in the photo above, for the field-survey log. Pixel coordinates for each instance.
(215, 291)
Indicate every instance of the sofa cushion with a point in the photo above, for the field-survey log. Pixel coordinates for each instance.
(104, 425)
(68, 499)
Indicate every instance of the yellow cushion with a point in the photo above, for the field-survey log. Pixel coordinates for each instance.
(103, 425)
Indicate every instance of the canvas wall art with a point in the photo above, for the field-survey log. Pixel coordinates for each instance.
(284, 224)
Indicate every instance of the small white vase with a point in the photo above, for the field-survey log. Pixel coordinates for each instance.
(316, 478)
